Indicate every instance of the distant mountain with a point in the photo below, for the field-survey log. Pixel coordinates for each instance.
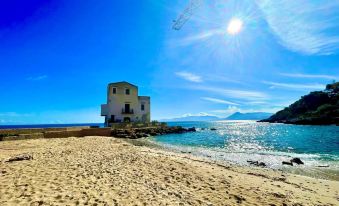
(316, 108)
(235, 116)
(249, 116)
(192, 118)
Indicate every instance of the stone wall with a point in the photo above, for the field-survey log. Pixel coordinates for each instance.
(131, 133)
(38, 130)
(22, 134)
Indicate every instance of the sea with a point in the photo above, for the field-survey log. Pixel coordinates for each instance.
(32, 126)
(238, 142)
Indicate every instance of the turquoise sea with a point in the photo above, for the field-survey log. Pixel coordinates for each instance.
(239, 141)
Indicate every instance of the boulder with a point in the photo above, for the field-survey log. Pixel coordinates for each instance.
(139, 135)
(192, 129)
(20, 158)
(253, 162)
(121, 135)
(297, 161)
(133, 137)
(287, 163)
(256, 163)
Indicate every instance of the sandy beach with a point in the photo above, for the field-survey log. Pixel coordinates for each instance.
(110, 171)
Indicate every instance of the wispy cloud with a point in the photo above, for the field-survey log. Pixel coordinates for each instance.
(221, 78)
(303, 26)
(189, 76)
(219, 101)
(37, 78)
(311, 76)
(199, 37)
(257, 102)
(232, 109)
(225, 112)
(233, 93)
(294, 86)
(200, 114)
(15, 114)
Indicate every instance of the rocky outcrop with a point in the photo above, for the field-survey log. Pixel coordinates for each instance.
(316, 108)
(295, 160)
(136, 133)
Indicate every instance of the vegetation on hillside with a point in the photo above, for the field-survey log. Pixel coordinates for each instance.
(316, 108)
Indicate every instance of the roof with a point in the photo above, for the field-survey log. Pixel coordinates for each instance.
(144, 97)
(122, 82)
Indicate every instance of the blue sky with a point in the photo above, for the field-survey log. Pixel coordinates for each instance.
(57, 56)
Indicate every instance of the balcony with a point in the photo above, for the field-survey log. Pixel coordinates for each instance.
(104, 110)
(127, 111)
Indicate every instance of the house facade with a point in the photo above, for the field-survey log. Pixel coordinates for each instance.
(125, 105)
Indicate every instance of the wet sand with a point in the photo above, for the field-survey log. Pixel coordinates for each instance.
(109, 171)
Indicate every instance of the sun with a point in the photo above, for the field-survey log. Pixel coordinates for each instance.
(234, 26)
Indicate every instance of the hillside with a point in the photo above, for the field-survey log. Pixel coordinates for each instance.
(316, 108)
(249, 116)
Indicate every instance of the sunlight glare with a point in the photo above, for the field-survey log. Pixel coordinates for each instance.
(234, 26)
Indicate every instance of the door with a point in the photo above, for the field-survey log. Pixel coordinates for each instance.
(127, 108)
(112, 118)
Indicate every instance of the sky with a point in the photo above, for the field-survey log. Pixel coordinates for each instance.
(57, 56)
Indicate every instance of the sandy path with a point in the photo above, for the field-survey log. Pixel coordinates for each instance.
(109, 171)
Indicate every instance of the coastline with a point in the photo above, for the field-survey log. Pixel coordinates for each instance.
(105, 170)
(237, 159)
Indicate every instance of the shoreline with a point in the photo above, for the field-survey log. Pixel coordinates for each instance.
(105, 170)
(326, 173)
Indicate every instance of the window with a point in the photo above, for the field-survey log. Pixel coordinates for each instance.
(114, 90)
(127, 91)
(142, 107)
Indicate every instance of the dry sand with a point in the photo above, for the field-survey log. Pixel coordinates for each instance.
(109, 171)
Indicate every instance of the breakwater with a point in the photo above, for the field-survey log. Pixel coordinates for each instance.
(131, 133)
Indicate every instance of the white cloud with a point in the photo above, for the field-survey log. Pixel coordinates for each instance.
(232, 109)
(220, 101)
(37, 78)
(303, 26)
(189, 76)
(201, 114)
(294, 86)
(199, 37)
(311, 76)
(226, 112)
(233, 93)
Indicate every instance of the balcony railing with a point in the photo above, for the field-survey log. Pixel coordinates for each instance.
(130, 111)
(104, 110)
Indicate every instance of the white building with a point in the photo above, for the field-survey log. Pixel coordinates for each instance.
(124, 104)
